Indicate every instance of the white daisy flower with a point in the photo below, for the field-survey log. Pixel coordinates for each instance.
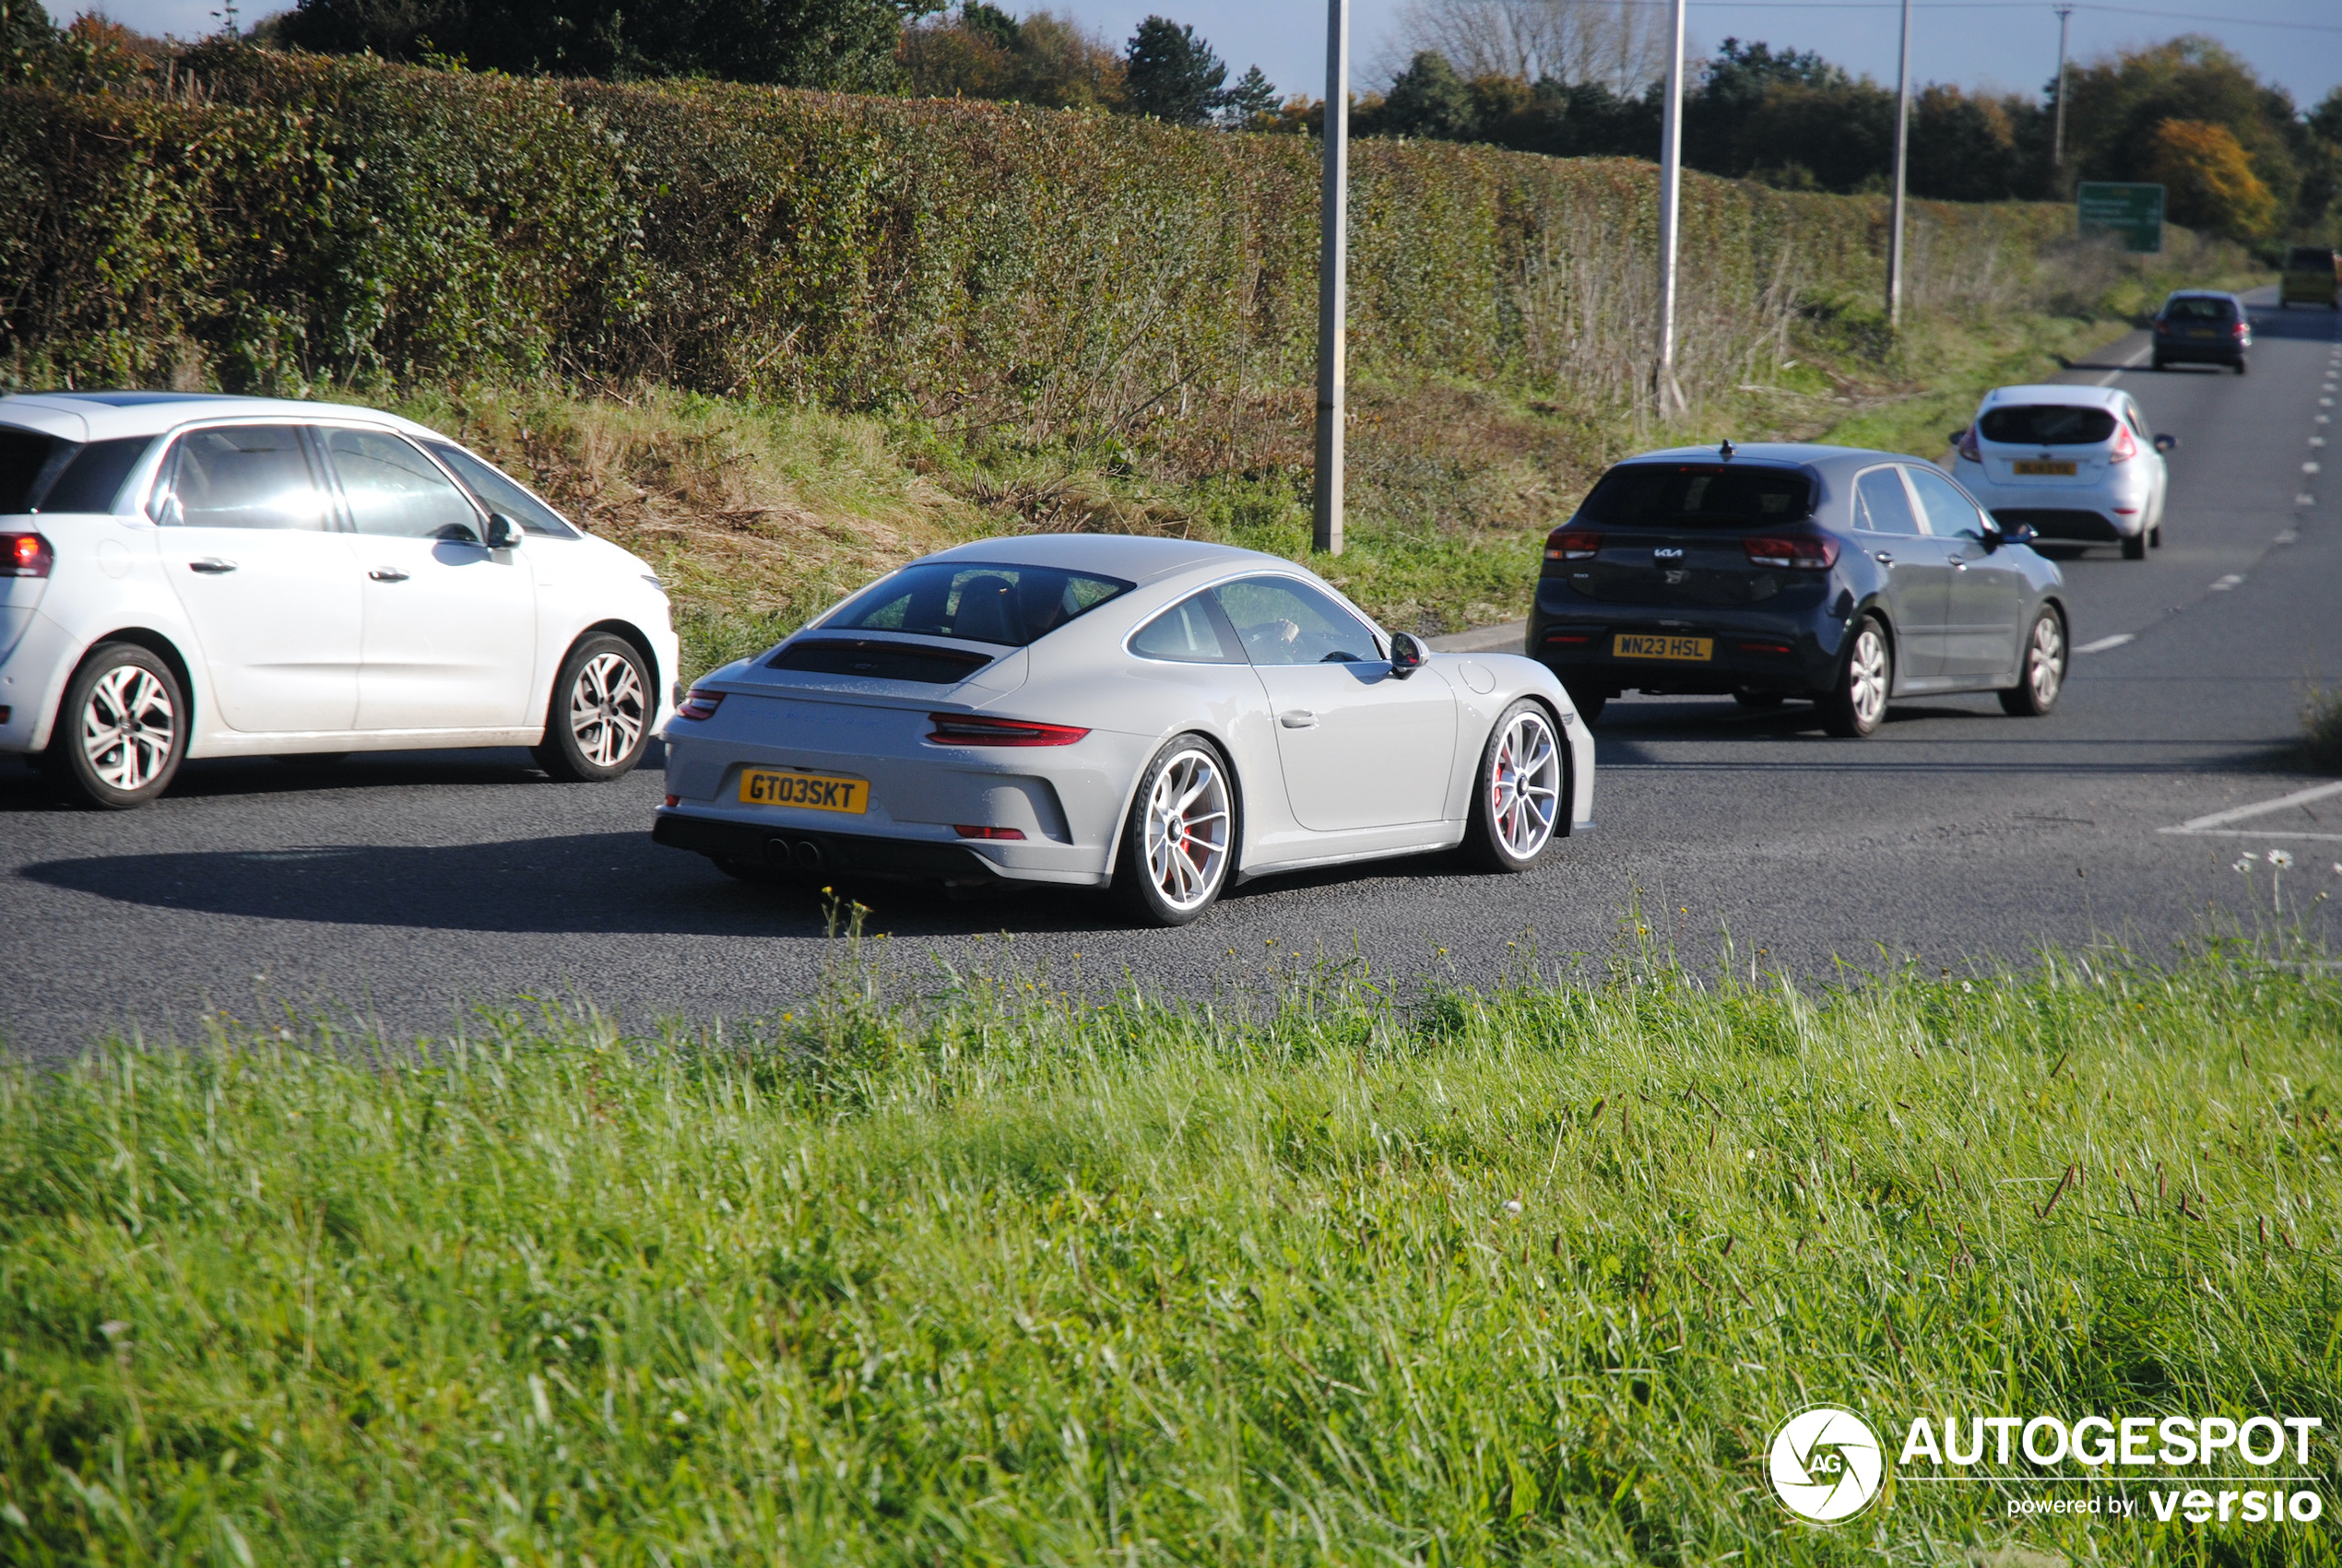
(2281, 859)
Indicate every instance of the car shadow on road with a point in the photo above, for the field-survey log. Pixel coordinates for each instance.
(22, 789)
(595, 884)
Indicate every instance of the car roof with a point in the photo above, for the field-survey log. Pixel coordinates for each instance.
(107, 416)
(2203, 294)
(1133, 558)
(1814, 454)
(2063, 396)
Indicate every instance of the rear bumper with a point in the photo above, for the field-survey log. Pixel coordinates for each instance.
(814, 856)
(2068, 523)
(2179, 351)
(1747, 652)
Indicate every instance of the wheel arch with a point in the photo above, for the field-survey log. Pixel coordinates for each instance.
(153, 641)
(633, 636)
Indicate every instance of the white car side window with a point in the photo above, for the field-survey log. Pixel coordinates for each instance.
(392, 489)
(243, 476)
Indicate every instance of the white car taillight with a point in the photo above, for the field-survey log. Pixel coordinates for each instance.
(2124, 447)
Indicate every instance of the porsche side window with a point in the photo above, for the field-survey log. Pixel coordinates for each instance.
(1188, 634)
(1281, 621)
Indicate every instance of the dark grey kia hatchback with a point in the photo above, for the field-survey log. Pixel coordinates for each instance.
(1845, 577)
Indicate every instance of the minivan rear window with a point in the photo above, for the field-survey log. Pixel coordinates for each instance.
(29, 461)
(2310, 258)
(1698, 495)
(2046, 424)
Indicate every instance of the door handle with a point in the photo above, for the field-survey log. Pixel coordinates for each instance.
(1297, 718)
(1958, 565)
(1882, 557)
(387, 575)
(211, 566)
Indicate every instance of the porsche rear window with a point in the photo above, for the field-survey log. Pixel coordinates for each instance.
(1698, 495)
(875, 659)
(2046, 424)
(1009, 605)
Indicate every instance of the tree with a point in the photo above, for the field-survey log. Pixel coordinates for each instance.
(841, 44)
(983, 52)
(1253, 98)
(1171, 74)
(1732, 86)
(27, 39)
(2207, 181)
(1620, 44)
(2116, 104)
(1429, 100)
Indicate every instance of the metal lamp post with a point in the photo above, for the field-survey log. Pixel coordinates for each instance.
(1333, 262)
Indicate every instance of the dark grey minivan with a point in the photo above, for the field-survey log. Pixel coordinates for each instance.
(1766, 572)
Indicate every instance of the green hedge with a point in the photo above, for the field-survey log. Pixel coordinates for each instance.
(286, 222)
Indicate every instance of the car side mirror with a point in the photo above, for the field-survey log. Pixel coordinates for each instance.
(504, 534)
(1956, 437)
(2019, 534)
(1407, 655)
(2166, 443)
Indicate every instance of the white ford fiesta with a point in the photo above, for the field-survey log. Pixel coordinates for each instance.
(1159, 716)
(191, 575)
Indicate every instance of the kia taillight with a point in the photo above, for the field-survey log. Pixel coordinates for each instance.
(698, 704)
(25, 555)
(1572, 544)
(1966, 445)
(2124, 447)
(975, 729)
(1813, 552)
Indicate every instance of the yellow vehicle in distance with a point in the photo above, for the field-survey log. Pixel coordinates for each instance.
(2312, 277)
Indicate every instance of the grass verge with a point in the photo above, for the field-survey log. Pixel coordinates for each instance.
(2321, 730)
(997, 1274)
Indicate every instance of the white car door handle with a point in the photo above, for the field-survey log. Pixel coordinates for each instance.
(1297, 718)
(387, 575)
(1882, 557)
(211, 566)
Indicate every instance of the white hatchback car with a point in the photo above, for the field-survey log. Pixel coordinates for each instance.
(191, 575)
(2077, 463)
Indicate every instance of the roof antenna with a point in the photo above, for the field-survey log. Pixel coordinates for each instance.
(1726, 449)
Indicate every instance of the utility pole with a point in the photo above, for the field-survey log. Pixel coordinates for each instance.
(1902, 144)
(1666, 393)
(2057, 141)
(1333, 294)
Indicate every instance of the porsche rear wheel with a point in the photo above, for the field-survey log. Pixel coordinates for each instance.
(1517, 797)
(1180, 841)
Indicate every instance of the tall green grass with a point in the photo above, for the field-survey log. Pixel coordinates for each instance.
(1004, 1273)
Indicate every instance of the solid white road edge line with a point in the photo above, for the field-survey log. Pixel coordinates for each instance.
(2218, 820)
(2130, 364)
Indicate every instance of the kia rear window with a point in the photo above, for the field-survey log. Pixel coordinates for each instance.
(2199, 309)
(2046, 424)
(1011, 605)
(1698, 495)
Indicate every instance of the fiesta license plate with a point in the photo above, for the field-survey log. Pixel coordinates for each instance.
(2065, 469)
(1681, 650)
(809, 792)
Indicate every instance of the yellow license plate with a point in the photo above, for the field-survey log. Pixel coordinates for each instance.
(2065, 468)
(1642, 646)
(809, 792)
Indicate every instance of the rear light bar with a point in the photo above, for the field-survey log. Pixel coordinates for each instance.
(1571, 637)
(1811, 552)
(1572, 544)
(698, 704)
(25, 555)
(973, 831)
(973, 730)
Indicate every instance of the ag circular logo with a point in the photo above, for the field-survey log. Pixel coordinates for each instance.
(1827, 1464)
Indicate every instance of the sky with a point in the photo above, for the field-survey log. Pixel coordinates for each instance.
(2008, 45)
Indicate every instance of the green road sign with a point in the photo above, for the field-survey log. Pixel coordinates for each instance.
(2133, 213)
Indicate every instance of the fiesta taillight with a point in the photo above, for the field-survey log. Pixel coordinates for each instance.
(976, 730)
(25, 555)
(1572, 544)
(1810, 552)
(976, 830)
(1966, 445)
(2124, 447)
(698, 704)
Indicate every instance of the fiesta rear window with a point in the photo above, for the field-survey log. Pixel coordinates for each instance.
(1698, 495)
(876, 660)
(1010, 605)
(2047, 424)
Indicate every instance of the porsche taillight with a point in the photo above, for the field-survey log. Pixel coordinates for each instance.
(698, 704)
(977, 729)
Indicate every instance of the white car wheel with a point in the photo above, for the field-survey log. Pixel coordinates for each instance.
(121, 730)
(1517, 801)
(1181, 836)
(600, 714)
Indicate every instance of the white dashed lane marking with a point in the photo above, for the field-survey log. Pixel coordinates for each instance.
(2103, 644)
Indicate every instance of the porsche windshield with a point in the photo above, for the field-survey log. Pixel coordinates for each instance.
(976, 602)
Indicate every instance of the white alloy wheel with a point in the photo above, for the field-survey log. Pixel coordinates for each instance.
(1518, 799)
(606, 707)
(129, 727)
(121, 729)
(1181, 837)
(2043, 676)
(600, 714)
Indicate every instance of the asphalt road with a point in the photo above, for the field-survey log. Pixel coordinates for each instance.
(399, 891)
